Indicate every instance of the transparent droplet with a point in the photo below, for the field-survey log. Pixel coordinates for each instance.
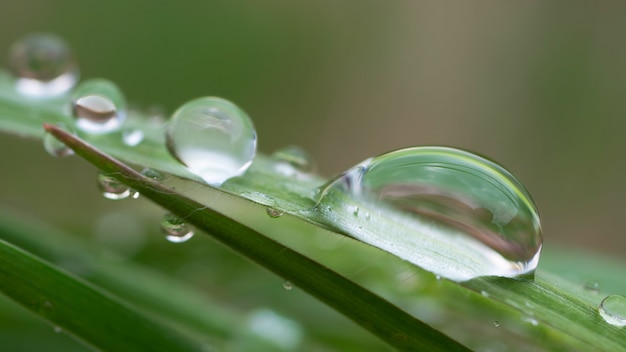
(111, 187)
(98, 106)
(530, 320)
(214, 138)
(274, 213)
(287, 285)
(466, 215)
(292, 160)
(592, 286)
(613, 310)
(496, 324)
(175, 229)
(43, 65)
(132, 137)
(54, 146)
(153, 174)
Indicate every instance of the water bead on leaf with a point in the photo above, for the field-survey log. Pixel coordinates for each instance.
(613, 310)
(112, 188)
(43, 65)
(54, 146)
(175, 229)
(98, 106)
(465, 216)
(292, 160)
(214, 138)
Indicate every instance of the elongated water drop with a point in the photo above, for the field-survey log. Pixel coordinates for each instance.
(175, 229)
(613, 310)
(43, 65)
(54, 146)
(112, 188)
(213, 137)
(451, 212)
(98, 106)
(293, 160)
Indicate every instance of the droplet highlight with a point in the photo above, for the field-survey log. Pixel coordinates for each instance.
(98, 106)
(175, 229)
(293, 160)
(274, 213)
(613, 310)
(213, 137)
(132, 137)
(112, 188)
(464, 216)
(593, 286)
(287, 285)
(43, 65)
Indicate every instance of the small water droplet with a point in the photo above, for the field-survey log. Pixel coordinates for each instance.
(175, 229)
(214, 138)
(613, 310)
(292, 160)
(484, 293)
(287, 285)
(132, 137)
(593, 286)
(530, 320)
(54, 146)
(111, 187)
(355, 212)
(473, 207)
(274, 213)
(43, 65)
(98, 106)
(496, 324)
(153, 174)
(58, 329)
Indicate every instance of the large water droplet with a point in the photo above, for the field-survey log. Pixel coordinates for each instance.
(111, 188)
(292, 160)
(175, 229)
(54, 146)
(613, 310)
(464, 216)
(43, 65)
(99, 106)
(213, 137)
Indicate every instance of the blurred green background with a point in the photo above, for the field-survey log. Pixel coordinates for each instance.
(538, 86)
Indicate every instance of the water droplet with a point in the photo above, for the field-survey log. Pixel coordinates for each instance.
(496, 324)
(484, 293)
(43, 65)
(214, 138)
(111, 187)
(54, 146)
(153, 174)
(132, 137)
(613, 310)
(530, 320)
(274, 213)
(592, 286)
(175, 229)
(285, 333)
(292, 160)
(287, 285)
(58, 329)
(99, 106)
(461, 206)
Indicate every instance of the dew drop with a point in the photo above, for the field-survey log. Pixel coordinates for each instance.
(58, 329)
(175, 229)
(292, 160)
(153, 174)
(214, 138)
(132, 137)
(43, 65)
(111, 187)
(496, 324)
(98, 106)
(54, 146)
(530, 320)
(613, 310)
(287, 285)
(592, 286)
(466, 215)
(274, 213)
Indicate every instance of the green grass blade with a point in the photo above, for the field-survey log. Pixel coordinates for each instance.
(373, 313)
(89, 314)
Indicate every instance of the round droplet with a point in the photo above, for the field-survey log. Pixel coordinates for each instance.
(213, 137)
(98, 106)
(593, 286)
(287, 285)
(111, 187)
(132, 137)
(292, 160)
(466, 216)
(274, 213)
(43, 65)
(54, 146)
(613, 310)
(496, 324)
(175, 229)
